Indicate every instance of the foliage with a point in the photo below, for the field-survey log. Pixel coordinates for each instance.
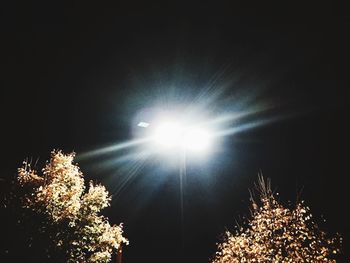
(72, 213)
(275, 233)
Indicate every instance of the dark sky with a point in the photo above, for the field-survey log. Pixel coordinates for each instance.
(75, 76)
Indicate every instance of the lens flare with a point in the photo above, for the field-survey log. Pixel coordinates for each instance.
(196, 140)
(172, 135)
(168, 135)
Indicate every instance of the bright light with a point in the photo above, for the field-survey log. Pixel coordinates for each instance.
(143, 124)
(174, 136)
(168, 134)
(197, 140)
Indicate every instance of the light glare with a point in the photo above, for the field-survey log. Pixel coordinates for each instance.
(196, 140)
(168, 134)
(143, 124)
(173, 135)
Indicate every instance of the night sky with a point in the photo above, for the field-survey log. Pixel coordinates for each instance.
(74, 77)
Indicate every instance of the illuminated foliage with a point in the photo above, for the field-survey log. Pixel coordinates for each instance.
(73, 220)
(275, 233)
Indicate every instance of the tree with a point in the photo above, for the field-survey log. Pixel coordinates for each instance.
(275, 233)
(72, 214)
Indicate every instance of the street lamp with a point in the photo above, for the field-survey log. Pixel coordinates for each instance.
(169, 136)
(174, 136)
